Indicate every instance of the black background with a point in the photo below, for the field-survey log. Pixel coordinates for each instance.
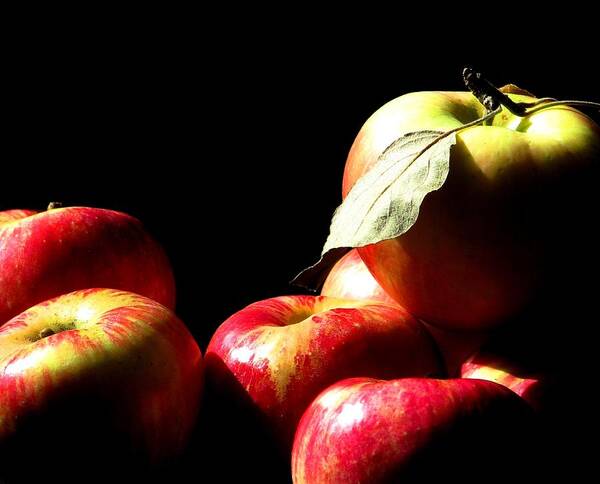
(232, 159)
(232, 156)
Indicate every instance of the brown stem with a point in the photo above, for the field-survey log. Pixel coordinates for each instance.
(489, 95)
(492, 98)
(44, 333)
(53, 205)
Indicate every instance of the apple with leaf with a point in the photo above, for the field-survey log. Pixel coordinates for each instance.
(468, 206)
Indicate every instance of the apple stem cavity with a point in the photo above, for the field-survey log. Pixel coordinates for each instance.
(44, 333)
(493, 99)
(48, 331)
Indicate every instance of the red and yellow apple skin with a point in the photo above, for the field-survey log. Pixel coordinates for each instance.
(282, 352)
(96, 369)
(493, 368)
(365, 430)
(350, 278)
(522, 356)
(7, 216)
(485, 243)
(46, 254)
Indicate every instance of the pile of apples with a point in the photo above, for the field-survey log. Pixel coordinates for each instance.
(440, 353)
(98, 377)
(407, 367)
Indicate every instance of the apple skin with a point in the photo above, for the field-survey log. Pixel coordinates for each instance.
(46, 254)
(546, 358)
(490, 367)
(363, 430)
(92, 370)
(485, 244)
(281, 352)
(7, 216)
(537, 358)
(350, 278)
(456, 346)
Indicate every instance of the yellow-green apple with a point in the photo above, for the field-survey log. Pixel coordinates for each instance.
(411, 430)
(350, 278)
(93, 380)
(509, 222)
(279, 353)
(46, 254)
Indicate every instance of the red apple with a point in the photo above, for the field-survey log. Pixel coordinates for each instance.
(537, 358)
(16, 214)
(411, 430)
(519, 192)
(350, 278)
(95, 379)
(43, 255)
(484, 366)
(281, 352)
(547, 358)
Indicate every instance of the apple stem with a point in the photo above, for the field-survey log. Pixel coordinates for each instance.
(487, 94)
(53, 205)
(44, 333)
(492, 98)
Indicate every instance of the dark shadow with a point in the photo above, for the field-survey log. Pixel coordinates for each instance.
(74, 440)
(233, 437)
(552, 341)
(493, 445)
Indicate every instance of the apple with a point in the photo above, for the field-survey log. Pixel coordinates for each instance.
(15, 214)
(46, 254)
(547, 357)
(279, 353)
(350, 278)
(412, 430)
(485, 366)
(509, 223)
(536, 357)
(94, 380)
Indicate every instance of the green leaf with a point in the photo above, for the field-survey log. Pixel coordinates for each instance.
(384, 203)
